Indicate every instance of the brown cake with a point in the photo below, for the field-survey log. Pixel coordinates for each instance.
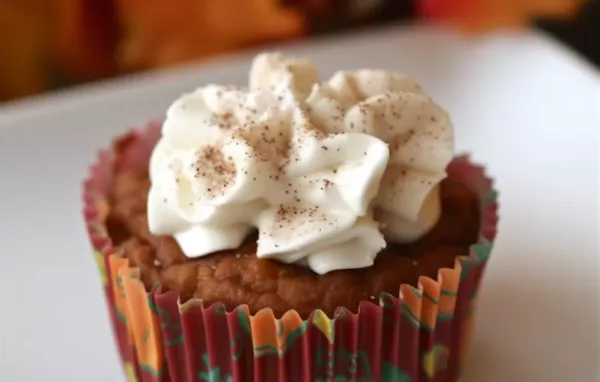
(237, 277)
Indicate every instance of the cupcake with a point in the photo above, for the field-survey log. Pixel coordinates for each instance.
(294, 230)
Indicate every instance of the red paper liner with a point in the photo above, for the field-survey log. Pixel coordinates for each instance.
(420, 335)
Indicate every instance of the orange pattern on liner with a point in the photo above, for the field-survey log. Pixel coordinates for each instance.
(143, 321)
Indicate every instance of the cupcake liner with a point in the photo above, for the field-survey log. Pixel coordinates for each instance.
(420, 335)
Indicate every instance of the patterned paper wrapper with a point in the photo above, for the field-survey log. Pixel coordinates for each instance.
(421, 334)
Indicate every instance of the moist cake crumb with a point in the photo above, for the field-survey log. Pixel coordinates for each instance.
(238, 277)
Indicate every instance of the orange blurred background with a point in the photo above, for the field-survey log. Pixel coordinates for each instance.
(46, 44)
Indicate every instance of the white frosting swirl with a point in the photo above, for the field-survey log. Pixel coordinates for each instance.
(314, 167)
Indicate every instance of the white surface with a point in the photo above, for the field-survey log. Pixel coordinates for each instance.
(524, 105)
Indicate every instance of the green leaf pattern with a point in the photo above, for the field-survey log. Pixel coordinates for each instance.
(213, 374)
(391, 373)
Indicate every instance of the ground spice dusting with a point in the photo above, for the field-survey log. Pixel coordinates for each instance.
(218, 172)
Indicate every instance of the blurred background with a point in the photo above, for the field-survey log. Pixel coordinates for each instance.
(51, 44)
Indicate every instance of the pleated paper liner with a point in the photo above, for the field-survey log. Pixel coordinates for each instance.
(420, 335)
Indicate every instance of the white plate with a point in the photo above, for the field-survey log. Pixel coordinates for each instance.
(522, 104)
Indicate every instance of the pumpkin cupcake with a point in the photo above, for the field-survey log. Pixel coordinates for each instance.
(294, 230)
